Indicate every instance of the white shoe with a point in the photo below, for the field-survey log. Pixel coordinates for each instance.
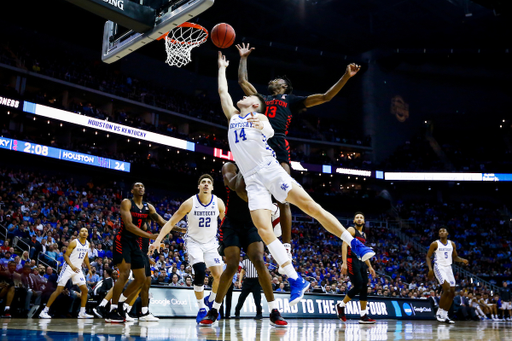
(148, 317)
(447, 320)
(83, 316)
(440, 318)
(128, 318)
(44, 315)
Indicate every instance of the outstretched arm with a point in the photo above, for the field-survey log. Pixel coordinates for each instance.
(155, 216)
(243, 78)
(180, 213)
(225, 99)
(318, 99)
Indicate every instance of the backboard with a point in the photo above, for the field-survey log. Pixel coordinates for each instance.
(118, 44)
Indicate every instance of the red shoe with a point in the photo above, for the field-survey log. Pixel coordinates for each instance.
(340, 311)
(366, 319)
(7, 314)
(277, 320)
(209, 319)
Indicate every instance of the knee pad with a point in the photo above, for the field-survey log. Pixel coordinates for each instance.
(200, 273)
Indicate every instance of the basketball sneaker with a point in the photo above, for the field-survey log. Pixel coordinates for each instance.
(43, 315)
(210, 318)
(85, 316)
(364, 253)
(130, 318)
(114, 317)
(148, 317)
(297, 288)
(447, 320)
(340, 311)
(208, 303)
(201, 314)
(99, 311)
(277, 320)
(366, 320)
(440, 318)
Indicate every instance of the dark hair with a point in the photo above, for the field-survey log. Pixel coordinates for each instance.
(263, 106)
(136, 182)
(289, 87)
(443, 227)
(358, 212)
(208, 176)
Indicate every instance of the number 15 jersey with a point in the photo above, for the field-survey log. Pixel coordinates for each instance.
(203, 220)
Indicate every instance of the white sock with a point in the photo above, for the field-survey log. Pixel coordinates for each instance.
(113, 306)
(290, 272)
(82, 310)
(7, 307)
(440, 312)
(272, 305)
(103, 303)
(46, 309)
(200, 303)
(347, 237)
(342, 304)
(216, 305)
(363, 312)
(122, 298)
(212, 297)
(287, 247)
(278, 252)
(144, 310)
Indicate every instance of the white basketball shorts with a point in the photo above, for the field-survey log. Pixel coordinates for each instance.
(203, 252)
(506, 306)
(66, 273)
(444, 273)
(269, 180)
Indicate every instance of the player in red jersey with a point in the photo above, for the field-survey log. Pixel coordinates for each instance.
(281, 106)
(127, 250)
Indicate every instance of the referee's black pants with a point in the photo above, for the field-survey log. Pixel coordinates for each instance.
(250, 285)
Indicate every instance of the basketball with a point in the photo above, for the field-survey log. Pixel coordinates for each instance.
(223, 35)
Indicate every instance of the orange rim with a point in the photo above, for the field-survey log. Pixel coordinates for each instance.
(186, 24)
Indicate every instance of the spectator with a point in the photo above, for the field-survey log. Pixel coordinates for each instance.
(33, 286)
(174, 281)
(92, 278)
(6, 259)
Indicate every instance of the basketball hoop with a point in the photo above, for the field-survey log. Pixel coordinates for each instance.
(181, 40)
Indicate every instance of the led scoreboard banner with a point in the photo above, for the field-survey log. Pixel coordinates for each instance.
(62, 154)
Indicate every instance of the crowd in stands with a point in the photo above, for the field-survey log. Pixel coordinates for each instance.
(43, 214)
(481, 232)
(94, 74)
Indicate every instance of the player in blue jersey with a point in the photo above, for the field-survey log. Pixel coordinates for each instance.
(264, 177)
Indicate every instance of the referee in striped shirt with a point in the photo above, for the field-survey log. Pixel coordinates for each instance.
(250, 284)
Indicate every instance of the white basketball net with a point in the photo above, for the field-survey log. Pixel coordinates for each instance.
(181, 40)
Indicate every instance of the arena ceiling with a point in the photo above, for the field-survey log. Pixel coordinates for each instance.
(311, 34)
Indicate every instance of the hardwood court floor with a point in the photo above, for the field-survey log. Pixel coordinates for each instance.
(250, 330)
